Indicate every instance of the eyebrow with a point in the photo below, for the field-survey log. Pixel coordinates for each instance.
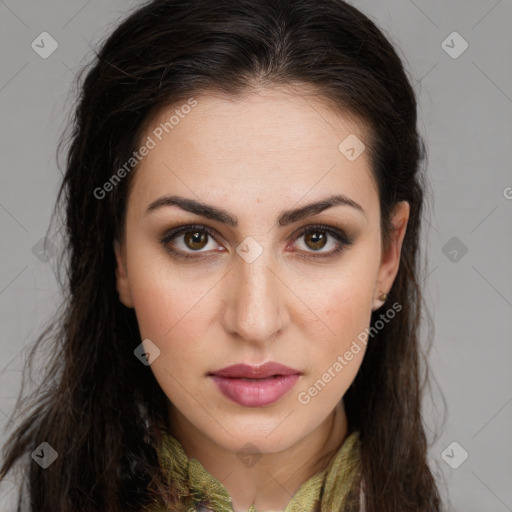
(285, 218)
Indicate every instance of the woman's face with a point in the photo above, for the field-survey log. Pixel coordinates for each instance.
(255, 287)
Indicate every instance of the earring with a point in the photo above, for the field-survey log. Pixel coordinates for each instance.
(383, 297)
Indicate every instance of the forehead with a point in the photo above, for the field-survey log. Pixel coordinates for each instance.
(274, 144)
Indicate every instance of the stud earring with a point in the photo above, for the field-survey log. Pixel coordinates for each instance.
(383, 297)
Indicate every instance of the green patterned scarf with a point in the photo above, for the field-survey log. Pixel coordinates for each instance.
(325, 491)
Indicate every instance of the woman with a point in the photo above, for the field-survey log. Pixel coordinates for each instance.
(243, 200)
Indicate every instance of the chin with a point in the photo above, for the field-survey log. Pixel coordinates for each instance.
(267, 437)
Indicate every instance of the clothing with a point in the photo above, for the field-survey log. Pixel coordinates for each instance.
(325, 491)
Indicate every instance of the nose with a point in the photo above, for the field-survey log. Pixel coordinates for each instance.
(254, 299)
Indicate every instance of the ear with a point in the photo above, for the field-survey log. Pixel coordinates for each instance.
(390, 260)
(122, 283)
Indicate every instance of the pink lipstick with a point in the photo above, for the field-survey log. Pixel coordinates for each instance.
(255, 386)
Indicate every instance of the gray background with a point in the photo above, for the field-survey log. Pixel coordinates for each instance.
(466, 118)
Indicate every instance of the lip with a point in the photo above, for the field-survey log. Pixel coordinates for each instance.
(255, 386)
(263, 371)
(255, 392)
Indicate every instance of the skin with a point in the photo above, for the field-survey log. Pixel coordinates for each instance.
(272, 150)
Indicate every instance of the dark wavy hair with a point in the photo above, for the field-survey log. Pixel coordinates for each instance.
(97, 406)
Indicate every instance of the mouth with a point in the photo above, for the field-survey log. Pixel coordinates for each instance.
(247, 372)
(255, 386)
(251, 386)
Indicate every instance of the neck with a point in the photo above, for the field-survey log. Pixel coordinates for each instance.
(274, 479)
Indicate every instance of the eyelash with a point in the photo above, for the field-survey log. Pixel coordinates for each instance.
(338, 235)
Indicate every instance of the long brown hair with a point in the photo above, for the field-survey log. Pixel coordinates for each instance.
(98, 406)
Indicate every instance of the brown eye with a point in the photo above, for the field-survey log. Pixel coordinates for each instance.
(315, 240)
(195, 239)
(188, 242)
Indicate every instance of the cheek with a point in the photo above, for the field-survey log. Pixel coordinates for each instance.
(345, 303)
(344, 308)
(172, 315)
(345, 296)
(170, 310)
(178, 311)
